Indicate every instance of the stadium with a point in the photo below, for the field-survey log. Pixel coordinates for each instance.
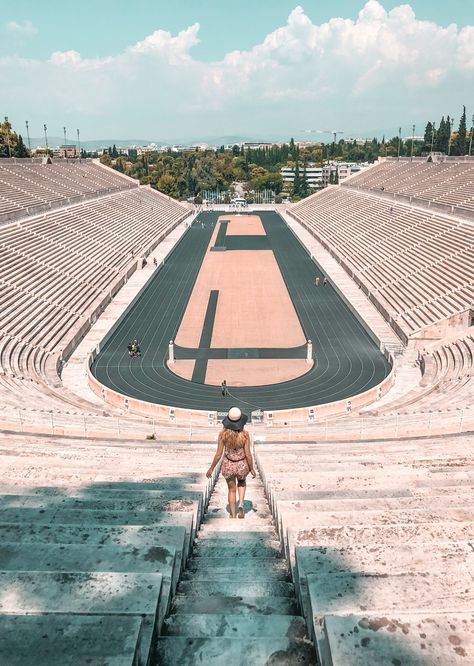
(342, 324)
(76, 287)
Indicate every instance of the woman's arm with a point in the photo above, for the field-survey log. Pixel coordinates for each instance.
(217, 457)
(248, 455)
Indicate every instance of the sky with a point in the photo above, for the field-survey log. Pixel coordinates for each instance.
(268, 69)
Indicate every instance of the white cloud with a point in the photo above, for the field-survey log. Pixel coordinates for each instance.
(25, 28)
(65, 58)
(383, 67)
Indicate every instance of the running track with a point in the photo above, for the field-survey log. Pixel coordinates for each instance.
(348, 361)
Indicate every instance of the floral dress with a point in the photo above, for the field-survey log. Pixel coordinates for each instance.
(235, 464)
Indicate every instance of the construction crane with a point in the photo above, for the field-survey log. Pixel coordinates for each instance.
(318, 131)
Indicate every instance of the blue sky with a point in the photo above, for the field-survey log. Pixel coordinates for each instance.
(173, 71)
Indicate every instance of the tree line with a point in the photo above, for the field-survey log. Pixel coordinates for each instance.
(187, 174)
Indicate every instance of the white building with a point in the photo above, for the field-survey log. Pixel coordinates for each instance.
(314, 175)
(336, 172)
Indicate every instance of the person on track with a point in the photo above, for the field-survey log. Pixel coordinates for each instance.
(134, 348)
(224, 389)
(234, 443)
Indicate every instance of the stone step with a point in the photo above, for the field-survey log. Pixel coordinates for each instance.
(13, 439)
(421, 455)
(272, 449)
(65, 593)
(415, 639)
(167, 501)
(250, 505)
(158, 558)
(239, 605)
(323, 495)
(385, 535)
(253, 517)
(379, 558)
(234, 588)
(244, 568)
(138, 536)
(69, 640)
(219, 525)
(121, 489)
(228, 546)
(90, 518)
(303, 520)
(195, 625)
(390, 503)
(183, 651)
(97, 517)
(387, 480)
(392, 560)
(338, 594)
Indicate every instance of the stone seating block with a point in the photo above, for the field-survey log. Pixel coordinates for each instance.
(343, 594)
(154, 558)
(86, 593)
(68, 640)
(165, 501)
(378, 559)
(105, 518)
(431, 503)
(137, 536)
(438, 639)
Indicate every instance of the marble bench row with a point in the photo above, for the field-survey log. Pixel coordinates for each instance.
(378, 540)
(94, 539)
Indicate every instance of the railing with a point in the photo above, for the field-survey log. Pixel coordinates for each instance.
(347, 429)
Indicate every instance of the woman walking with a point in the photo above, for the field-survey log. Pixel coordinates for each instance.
(234, 443)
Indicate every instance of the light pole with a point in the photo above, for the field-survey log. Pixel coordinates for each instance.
(451, 123)
(78, 143)
(412, 143)
(472, 132)
(28, 133)
(399, 141)
(7, 134)
(46, 138)
(432, 135)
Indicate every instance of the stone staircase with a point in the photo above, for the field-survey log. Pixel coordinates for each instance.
(236, 602)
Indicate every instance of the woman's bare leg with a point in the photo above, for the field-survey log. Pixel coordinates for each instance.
(242, 487)
(231, 487)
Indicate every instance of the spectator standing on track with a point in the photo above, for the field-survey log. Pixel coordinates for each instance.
(234, 443)
(224, 390)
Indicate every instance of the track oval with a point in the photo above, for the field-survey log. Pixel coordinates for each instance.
(348, 361)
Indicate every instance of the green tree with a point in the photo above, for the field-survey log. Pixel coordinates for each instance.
(8, 139)
(304, 187)
(295, 191)
(20, 149)
(460, 144)
(442, 135)
(167, 184)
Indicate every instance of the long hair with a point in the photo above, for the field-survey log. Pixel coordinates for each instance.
(233, 439)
